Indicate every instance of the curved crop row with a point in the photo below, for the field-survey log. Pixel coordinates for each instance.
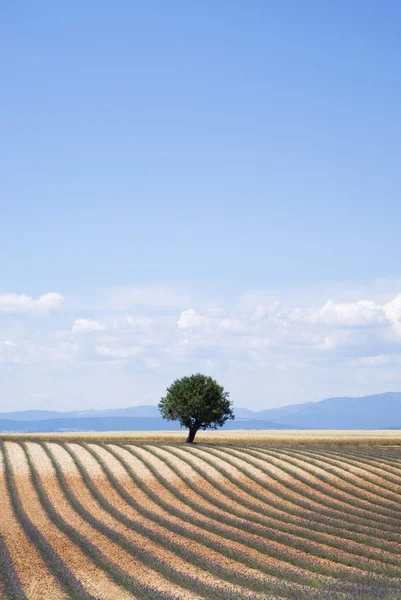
(68, 581)
(11, 587)
(177, 522)
(269, 529)
(165, 568)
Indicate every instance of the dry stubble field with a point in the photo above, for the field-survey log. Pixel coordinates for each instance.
(112, 519)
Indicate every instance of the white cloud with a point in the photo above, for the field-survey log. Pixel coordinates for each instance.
(190, 318)
(354, 314)
(346, 341)
(22, 303)
(120, 352)
(392, 310)
(86, 325)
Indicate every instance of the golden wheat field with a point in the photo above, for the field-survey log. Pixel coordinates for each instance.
(95, 519)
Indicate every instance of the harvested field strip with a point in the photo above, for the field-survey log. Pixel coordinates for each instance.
(334, 481)
(292, 506)
(315, 487)
(385, 533)
(361, 467)
(134, 557)
(10, 585)
(56, 565)
(388, 523)
(388, 571)
(108, 556)
(268, 554)
(304, 492)
(393, 454)
(370, 561)
(252, 457)
(174, 514)
(96, 562)
(389, 464)
(298, 531)
(381, 478)
(197, 555)
(115, 521)
(292, 525)
(216, 520)
(202, 583)
(246, 511)
(108, 575)
(386, 464)
(363, 459)
(36, 579)
(362, 477)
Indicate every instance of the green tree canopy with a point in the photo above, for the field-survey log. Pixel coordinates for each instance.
(197, 402)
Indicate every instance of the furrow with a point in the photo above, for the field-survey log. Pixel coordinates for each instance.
(378, 456)
(277, 495)
(215, 492)
(152, 521)
(112, 576)
(35, 579)
(370, 561)
(158, 502)
(389, 549)
(315, 486)
(370, 578)
(303, 489)
(335, 568)
(385, 465)
(207, 542)
(138, 565)
(10, 585)
(39, 529)
(359, 546)
(195, 578)
(118, 563)
(203, 500)
(361, 470)
(334, 480)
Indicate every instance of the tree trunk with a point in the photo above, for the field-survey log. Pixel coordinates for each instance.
(191, 435)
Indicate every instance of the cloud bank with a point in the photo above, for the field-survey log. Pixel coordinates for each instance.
(267, 350)
(22, 303)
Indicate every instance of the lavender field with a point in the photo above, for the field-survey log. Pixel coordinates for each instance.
(120, 520)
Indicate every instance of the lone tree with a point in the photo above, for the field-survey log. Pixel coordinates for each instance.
(197, 402)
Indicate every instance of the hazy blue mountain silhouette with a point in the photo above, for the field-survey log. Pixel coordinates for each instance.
(117, 424)
(379, 411)
(41, 415)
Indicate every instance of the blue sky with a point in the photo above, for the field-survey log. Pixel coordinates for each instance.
(237, 160)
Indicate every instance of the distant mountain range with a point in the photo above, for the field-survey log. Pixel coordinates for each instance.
(117, 424)
(379, 411)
